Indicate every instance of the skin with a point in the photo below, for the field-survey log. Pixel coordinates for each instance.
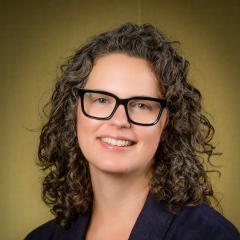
(120, 175)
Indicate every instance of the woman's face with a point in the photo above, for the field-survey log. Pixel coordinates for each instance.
(125, 77)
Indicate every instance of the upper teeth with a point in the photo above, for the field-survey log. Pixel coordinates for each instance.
(116, 142)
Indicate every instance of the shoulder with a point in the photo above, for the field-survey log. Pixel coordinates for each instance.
(51, 230)
(45, 231)
(203, 222)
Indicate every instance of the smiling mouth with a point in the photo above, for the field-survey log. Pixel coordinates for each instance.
(117, 142)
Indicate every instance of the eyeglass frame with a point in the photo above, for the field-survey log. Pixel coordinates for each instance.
(124, 102)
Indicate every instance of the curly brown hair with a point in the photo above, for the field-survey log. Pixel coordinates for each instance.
(178, 176)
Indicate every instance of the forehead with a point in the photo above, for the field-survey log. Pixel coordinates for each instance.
(124, 76)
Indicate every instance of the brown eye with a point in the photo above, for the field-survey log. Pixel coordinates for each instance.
(101, 100)
(141, 105)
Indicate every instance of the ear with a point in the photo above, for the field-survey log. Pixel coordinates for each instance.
(164, 122)
(164, 118)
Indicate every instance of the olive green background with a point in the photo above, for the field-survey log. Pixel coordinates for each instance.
(38, 36)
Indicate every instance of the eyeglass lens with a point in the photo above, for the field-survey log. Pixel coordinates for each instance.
(140, 110)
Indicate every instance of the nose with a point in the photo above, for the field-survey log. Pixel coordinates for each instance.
(120, 118)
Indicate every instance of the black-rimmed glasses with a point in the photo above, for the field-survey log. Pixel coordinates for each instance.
(102, 105)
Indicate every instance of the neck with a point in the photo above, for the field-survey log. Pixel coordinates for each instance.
(118, 197)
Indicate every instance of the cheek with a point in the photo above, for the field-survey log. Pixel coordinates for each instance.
(152, 134)
(149, 138)
(85, 129)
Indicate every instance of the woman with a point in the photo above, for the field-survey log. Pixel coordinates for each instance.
(124, 145)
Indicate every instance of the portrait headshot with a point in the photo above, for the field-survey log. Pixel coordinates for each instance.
(119, 121)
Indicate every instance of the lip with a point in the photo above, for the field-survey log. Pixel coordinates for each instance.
(115, 147)
(118, 138)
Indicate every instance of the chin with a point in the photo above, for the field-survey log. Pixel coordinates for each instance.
(110, 167)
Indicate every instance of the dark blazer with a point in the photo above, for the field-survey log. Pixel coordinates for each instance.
(154, 222)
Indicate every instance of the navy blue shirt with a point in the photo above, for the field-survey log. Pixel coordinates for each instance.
(154, 222)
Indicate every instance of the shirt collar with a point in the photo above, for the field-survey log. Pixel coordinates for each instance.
(152, 223)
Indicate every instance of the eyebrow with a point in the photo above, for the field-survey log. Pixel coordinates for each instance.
(132, 96)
